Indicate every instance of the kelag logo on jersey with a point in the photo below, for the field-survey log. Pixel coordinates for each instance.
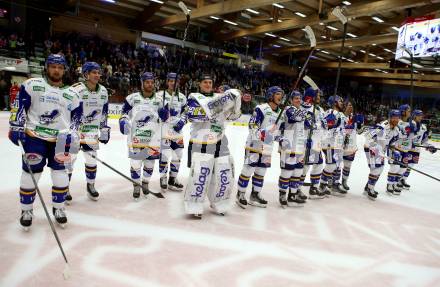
(49, 117)
(201, 181)
(92, 116)
(142, 122)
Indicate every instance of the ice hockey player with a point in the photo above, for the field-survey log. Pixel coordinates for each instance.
(400, 151)
(142, 113)
(332, 146)
(263, 133)
(46, 125)
(313, 155)
(420, 139)
(212, 169)
(377, 142)
(352, 127)
(296, 119)
(93, 128)
(172, 137)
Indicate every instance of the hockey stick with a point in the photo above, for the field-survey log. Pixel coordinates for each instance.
(311, 36)
(66, 272)
(156, 194)
(412, 74)
(424, 146)
(411, 168)
(314, 86)
(337, 12)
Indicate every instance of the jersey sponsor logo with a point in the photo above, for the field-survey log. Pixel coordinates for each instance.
(143, 133)
(200, 184)
(38, 89)
(224, 182)
(67, 96)
(219, 102)
(85, 97)
(103, 97)
(89, 128)
(49, 117)
(216, 128)
(46, 131)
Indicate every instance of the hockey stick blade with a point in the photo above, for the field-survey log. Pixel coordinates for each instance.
(311, 83)
(184, 8)
(311, 36)
(337, 12)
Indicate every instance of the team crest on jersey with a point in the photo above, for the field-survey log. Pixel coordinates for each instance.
(49, 117)
(92, 116)
(142, 122)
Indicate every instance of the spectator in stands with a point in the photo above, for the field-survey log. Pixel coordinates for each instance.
(20, 44)
(13, 91)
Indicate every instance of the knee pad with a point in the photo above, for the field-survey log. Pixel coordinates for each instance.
(26, 181)
(136, 164)
(88, 159)
(59, 178)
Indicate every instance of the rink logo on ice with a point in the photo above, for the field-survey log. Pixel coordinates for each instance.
(224, 182)
(201, 181)
(49, 117)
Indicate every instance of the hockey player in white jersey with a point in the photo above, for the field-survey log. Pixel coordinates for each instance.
(352, 126)
(400, 151)
(313, 155)
(172, 137)
(212, 169)
(378, 140)
(420, 138)
(46, 124)
(93, 128)
(142, 113)
(263, 133)
(296, 119)
(332, 145)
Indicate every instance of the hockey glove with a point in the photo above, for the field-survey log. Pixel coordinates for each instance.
(359, 120)
(173, 112)
(104, 136)
(285, 144)
(179, 126)
(16, 135)
(164, 113)
(124, 126)
(431, 149)
(265, 136)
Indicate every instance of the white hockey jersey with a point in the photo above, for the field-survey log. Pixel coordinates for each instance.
(45, 110)
(208, 115)
(319, 126)
(351, 129)
(420, 137)
(95, 111)
(263, 117)
(294, 130)
(176, 104)
(404, 142)
(333, 137)
(381, 136)
(145, 123)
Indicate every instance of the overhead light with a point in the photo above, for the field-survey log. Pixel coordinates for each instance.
(324, 37)
(417, 65)
(395, 28)
(279, 20)
(350, 60)
(321, 23)
(160, 2)
(372, 55)
(379, 57)
(213, 17)
(276, 46)
(230, 22)
(300, 14)
(284, 39)
(346, 3)
(278, 5)
(437, 68)
(252, 11)
(332, 28)
(270, 35)
(374, 44)
(325, 52)
(351, 35)
(377, 19)
(363, 51)
(385, 72)
(416, 72)
(405, 61)
(388, 50)
(110, 1)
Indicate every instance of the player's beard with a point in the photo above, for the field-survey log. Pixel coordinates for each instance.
(55, 79)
